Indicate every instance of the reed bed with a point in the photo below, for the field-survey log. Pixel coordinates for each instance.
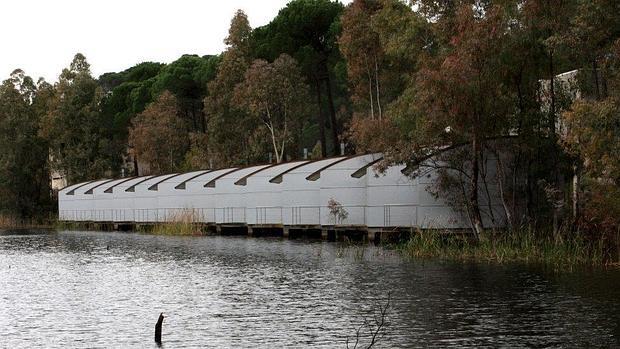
(8, 222)
(182, 223)
(527, 246)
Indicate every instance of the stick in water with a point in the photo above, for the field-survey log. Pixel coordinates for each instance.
(158, 328)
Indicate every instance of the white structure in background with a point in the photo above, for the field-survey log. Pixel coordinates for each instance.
(294, 194)
(566, 85)
(58, 180)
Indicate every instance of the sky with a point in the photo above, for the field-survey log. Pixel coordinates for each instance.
(42, 36)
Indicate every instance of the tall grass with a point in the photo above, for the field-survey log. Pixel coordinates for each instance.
(12, 222)
(179, 224)
(566, 249)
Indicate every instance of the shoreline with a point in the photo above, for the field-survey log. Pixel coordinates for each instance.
(565, 250)
(8, 223)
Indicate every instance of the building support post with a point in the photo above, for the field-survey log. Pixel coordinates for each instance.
(374, 236)
(324, 234)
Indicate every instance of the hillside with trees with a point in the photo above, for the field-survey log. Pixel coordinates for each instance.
(409, 79)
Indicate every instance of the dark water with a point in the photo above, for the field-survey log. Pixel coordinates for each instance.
(77, 289)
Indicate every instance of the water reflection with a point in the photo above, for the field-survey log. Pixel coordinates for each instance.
(107, 290)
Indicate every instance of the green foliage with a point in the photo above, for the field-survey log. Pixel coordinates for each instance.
(277, 95)
(376, 74)
(185, 79)
(466, 74)
(592, 135)
(24, 184)
(563, 251)
(140, 72)
(159, 136)
(304, 29)
(80, 140)
(307, 30)
(230, 129)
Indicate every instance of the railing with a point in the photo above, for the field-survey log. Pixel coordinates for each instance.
(395, 215)
(392, 215)
(268, 215)
(305, 215)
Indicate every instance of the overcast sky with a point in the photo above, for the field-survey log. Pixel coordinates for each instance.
(42, 36)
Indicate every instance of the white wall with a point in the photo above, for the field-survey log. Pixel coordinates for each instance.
(388, 199)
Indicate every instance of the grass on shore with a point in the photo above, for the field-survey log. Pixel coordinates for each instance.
(9, 222)
(178, 224)
(567, 249)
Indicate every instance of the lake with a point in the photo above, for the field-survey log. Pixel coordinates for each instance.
(96, 290)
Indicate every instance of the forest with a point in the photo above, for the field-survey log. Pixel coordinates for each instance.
(406, 78)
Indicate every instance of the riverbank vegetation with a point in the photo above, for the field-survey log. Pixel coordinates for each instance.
(9, 222)
(179, 224)
(174, 229)
(566, 249)
(459, 82)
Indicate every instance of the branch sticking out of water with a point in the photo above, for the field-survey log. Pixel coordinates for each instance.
(373, 327)
(160, 321)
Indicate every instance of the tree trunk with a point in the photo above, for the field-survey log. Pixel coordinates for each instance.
(500, 185)
(332, 111)
(275, 144)
(372, 107)
(321, 119)
(483, 177)
(135, 166)
(596, 83)
(203, 119)
(272, 130)
(280, 157)
(552, 92)
(575, 193)
(529, 200)
(377, 88)
(475, 174)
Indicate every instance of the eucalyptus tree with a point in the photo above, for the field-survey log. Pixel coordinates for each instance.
(307, 30)
(159, 136)
(230, 130)
(80, 138)
(24, 177)
(277, 95)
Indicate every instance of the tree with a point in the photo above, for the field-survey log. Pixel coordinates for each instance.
(80, 138)
(307, 30)
(239, 32)
(277, 95)
(24, 181)
(139, 72)
(590, 41)
(592, 135)
(382, 42)
(197, 157)
(127, 94)
(360, 45)
(457, 97)
(186, 78)
(230, 130)
(158, 136)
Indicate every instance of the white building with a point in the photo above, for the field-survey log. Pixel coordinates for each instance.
(293, 194)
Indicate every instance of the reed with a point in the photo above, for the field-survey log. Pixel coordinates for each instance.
(528, 246)
(181, 223)
(8, 222)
